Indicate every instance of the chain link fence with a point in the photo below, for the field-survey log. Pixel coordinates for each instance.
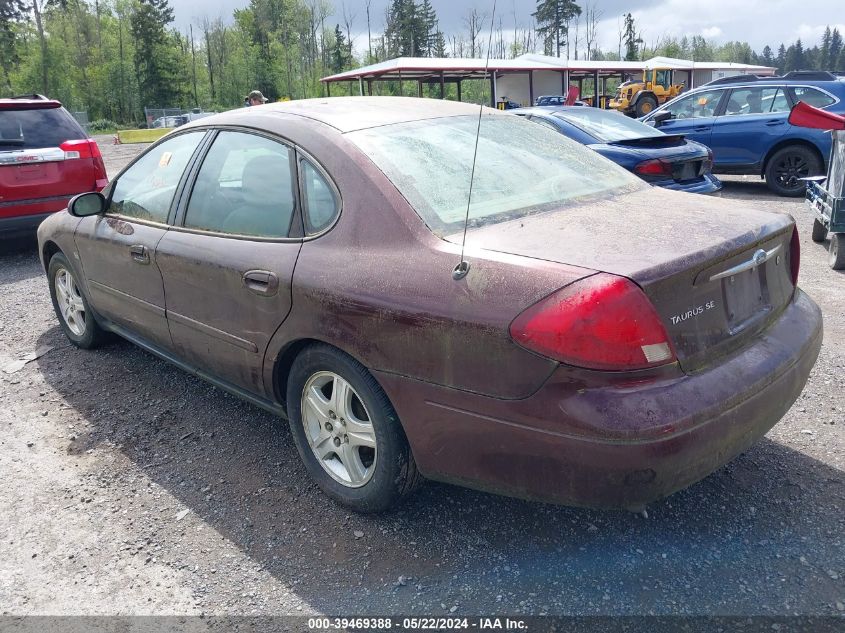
(82, 119)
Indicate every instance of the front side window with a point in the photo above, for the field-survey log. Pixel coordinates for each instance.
(694, 106)
(663, 78)
(244, 187)
(522, 168)
(811, 96)
(145, 190)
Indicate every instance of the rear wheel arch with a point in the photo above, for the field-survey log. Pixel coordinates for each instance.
(286, 357)
(790, 143)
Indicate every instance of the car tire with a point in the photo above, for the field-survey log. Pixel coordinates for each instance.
(347, 432)
(836, 251)
(787, 166)
(819, 231)
(645, 105)
(75, 315)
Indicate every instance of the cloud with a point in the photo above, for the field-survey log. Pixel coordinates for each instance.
(759, 22)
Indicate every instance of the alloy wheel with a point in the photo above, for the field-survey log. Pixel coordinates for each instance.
(790, 169)
(339, 429)
(69, 300)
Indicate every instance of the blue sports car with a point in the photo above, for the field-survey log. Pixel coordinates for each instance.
(664, 160)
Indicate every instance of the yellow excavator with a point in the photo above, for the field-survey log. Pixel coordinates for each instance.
(638, 98)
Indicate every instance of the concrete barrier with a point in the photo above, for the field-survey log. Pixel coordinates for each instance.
(142, 136)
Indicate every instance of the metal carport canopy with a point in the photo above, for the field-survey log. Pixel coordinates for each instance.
(448, 69)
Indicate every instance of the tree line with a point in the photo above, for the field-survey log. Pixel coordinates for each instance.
(112, 58)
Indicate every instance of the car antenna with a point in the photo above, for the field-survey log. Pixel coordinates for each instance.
(460, 271)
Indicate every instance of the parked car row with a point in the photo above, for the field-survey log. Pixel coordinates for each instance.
(660, 159)
(179, 119)
(746, 125)
(541, 337)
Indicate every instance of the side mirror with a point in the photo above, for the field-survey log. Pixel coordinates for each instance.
(660, 117)
(85, 204)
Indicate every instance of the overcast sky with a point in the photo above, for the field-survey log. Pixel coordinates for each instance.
(759, 22)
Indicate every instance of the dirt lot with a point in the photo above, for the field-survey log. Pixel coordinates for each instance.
(133, 488)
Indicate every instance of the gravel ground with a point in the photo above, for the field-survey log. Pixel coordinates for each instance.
(133, 488)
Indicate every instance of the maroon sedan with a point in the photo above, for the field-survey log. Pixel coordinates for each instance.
(611, 343)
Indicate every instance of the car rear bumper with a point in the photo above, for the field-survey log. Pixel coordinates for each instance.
(21, 225)
(24, 216)
(584, 442)
(707, 184)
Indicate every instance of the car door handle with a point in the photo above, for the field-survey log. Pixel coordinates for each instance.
(140, 254)
(261, 282)
(775, 122)
(703, 128)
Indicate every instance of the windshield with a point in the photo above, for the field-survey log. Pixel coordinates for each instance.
(522, 168)
(607, 126)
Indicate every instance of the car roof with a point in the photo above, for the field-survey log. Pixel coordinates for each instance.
(347, 114)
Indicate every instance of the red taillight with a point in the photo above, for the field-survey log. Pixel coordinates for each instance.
(654, 167)
(794, 256)
(601, 322)
(86, 148)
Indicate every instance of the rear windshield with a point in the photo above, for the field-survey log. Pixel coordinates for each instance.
(607, 126)
(36, 129)
(522, 168)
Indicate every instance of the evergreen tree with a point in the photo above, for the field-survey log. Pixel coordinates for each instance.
(553, 18)
(767, 59)
(824, 55)
(11, 11)
(835, 50)
(154, 63)
(795, 58)
(402, 30)
(631, 39)
(340, 51)
(439, 45)
(780, 60)
(426, 27)
(812, 58)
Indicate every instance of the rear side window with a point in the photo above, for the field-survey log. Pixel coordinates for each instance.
(36, 129)
(318, 198)
(756, 101)
(811, 96)
(244, 188)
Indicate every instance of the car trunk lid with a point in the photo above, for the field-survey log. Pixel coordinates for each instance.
(693, 257)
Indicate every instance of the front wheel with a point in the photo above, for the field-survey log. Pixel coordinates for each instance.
(347, 432)
(788, 166)
(645, 105)
(836, 251)
(71, 306)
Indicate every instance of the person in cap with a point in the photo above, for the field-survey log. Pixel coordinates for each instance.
(256, 98)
